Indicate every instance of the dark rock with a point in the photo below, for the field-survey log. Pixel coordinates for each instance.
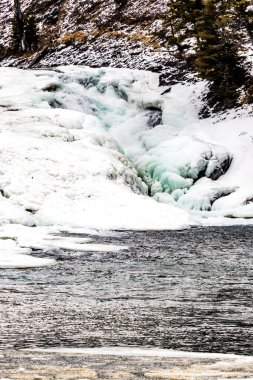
(154, 117)
(220, 169)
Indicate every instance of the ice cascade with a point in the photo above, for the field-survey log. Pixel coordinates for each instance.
(84, 147)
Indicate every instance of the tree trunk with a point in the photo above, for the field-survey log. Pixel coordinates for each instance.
(20, 21)
(249, 31)
(18, 10)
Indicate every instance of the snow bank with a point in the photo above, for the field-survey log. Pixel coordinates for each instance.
(175, 364)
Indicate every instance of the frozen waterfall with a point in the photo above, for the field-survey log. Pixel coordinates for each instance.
(108, 148)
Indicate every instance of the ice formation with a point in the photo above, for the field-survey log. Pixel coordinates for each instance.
(13, 256)
(102, 148)
(60, 161)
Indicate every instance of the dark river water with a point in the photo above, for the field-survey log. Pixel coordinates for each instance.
(188, 290)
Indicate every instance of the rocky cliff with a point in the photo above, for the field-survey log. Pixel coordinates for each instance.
(95, 33)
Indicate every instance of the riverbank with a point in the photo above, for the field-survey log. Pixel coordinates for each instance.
(31, 365)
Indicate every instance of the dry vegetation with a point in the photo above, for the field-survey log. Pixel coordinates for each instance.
(74, 37)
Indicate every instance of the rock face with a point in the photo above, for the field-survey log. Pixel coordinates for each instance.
(95, 33)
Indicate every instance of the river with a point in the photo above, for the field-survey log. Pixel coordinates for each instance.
(188, 290)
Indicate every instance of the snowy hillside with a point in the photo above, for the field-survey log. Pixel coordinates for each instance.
(95, 33)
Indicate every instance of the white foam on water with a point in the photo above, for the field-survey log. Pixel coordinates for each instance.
(83, 245)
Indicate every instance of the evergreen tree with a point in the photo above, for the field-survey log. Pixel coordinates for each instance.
(183, 17)
(242, 11)
(24, 30)
(212, 24)
(17, 27)
(217, 57)
(121, 3)
(30, 31)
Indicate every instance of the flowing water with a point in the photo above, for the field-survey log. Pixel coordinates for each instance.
(187, 290)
